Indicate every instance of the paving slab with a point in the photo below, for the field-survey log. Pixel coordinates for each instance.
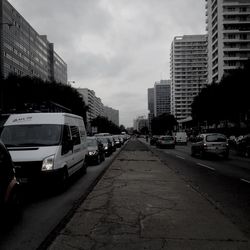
(140, 203)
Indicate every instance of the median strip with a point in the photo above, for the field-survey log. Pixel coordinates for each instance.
(205, 166)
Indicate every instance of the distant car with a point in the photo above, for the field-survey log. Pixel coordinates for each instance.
(210, 144)
(96, 152)
(117, 140)
(108, 149)
(181, 138)
(243, 146)
(165, 142)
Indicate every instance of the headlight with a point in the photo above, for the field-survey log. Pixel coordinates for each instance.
(106, 147)
(92, 152)
(48, 163)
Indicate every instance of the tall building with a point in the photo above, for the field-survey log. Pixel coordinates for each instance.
(94, 103)
(188, 72)
(150, 107)
(228, 26)
(140, 122)
(24, 52)
(112, 115)
(162, 94)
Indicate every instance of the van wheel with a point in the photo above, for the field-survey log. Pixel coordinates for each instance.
(98, 160)
(14, 205)
(64, 179)
(83, 169)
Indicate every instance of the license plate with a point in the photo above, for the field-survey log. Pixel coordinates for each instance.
(23, 180)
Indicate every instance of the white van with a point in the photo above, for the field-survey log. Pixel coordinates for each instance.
(181, 138)
(45, 145)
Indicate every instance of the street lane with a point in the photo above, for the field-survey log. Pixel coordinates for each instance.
(223, 182)
(45, 209)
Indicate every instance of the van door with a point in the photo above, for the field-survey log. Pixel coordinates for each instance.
(67, 148)
(78, 156)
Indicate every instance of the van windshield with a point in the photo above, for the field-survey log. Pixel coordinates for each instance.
(31, 135)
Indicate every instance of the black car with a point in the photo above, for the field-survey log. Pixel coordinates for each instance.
(243, 146)
(9, 187)
(96, 152)
(108, 148)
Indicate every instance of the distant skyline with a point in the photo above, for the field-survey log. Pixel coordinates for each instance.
(117, 48)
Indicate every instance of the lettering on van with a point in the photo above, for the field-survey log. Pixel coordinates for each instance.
(22, 119)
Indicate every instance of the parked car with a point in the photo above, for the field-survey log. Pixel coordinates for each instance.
(9, 187)
(165, 141)
(181, 138)
(243, 146)
(95, 151)
(108, 149)
(46, 146)
(211, 143)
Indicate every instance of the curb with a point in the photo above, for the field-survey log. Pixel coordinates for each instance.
(64, 221)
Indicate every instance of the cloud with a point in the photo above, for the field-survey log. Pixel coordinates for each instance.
(117, 48)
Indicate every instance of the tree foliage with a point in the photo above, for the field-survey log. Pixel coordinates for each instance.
(163, 124)
(228, 100)
(105, 126)
(25, 94)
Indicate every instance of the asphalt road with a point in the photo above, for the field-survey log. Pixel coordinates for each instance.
(46, 209)
(225, 183)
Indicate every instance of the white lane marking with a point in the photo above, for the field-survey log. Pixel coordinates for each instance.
(205, 166)
(180, 157)
(247, 181)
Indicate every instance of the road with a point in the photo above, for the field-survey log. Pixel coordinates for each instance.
(225, 183)
(44, 210)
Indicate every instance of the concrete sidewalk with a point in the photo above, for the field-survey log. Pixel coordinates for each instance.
(140, 203)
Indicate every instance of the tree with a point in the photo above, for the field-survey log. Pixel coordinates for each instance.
(26, 94)
(227, 100)
(163, 124)
(104, 125)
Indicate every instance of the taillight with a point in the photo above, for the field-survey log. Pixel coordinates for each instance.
(205, 145)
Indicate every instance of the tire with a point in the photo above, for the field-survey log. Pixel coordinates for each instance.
(83, 169)
(98, 160)
(15, 204)
(64, 179)
(192, 152)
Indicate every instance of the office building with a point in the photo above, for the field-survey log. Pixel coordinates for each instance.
(228, 26)
(24, 52)
(150, 107)
(94, 103)
(188, 71)
(112, 115)
(162, 94)
(140, 123)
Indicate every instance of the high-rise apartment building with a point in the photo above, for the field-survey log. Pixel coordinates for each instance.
(24, 52)
(162, 94)
(112, 115)
(150, 106)
(94, 103)
(188, 72)
(228, 26)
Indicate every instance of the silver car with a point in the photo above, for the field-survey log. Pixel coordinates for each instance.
(211, 143)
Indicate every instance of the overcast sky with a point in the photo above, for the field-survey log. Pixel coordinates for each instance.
(118, 48)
